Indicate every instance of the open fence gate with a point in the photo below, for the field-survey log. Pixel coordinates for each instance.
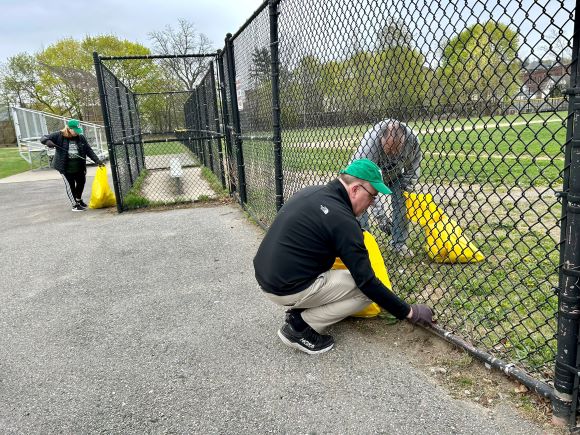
(288, 99)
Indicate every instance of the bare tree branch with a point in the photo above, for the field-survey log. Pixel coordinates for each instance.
(183, 40)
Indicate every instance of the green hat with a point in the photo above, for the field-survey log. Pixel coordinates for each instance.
(74, 125)
(367, 170)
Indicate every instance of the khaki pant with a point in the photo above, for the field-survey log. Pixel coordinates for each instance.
(332, 297)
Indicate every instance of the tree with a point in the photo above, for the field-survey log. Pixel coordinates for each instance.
(61, 78)
(558, 47)
(395, 33)
(135, 74)
(183, 40)
(261, 64)
(480, 65)
(18, 79)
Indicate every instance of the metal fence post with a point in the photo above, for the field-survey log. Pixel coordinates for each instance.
(217, 124)
(138, 120)
(566, 368)
(225, 113)
(124, 130)
(236, 118)
(108, 134)
(206, 126)
(275, 71)
(132, 127)
(200, 141)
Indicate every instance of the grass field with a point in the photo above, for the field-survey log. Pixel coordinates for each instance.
(522, 154)
(12, 163)
(161, 148)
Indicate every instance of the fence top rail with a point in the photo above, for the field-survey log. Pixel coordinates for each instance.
(248, 21)
(164, 93)
(157, 56)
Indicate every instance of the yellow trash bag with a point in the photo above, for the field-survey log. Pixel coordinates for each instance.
(445, 244)
(378, 265)
(421, 209)
(101, 194)
(445, 240)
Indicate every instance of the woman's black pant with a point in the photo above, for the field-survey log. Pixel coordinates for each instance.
(74, 184)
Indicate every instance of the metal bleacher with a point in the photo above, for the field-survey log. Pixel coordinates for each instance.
(31, 125)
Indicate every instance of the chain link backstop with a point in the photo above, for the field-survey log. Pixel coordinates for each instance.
(162, 120)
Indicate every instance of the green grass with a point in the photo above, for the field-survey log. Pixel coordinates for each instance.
(214, 183)
(11, 163)
(355, 132)
(504, 304)
(134, 199)
(516, 155)
(161, 148)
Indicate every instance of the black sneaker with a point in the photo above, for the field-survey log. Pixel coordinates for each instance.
(82, 203)
(308, 341)
(77, 207)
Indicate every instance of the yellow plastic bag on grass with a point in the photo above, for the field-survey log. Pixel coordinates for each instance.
(378, 265)
(445, 240)
(421, 209)
(101, 194)
(446, 244)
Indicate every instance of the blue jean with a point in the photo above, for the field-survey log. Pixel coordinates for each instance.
(400, 223)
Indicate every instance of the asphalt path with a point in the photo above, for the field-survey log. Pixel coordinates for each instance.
(152, 322)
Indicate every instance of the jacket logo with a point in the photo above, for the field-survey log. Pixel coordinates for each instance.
(324, 209)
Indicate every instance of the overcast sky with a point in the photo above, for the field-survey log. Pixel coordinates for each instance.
(32, 25)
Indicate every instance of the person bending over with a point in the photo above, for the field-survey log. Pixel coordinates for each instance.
(70, 159)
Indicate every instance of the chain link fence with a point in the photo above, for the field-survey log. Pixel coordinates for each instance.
(480, 98)
(161, 115)
(456, 77)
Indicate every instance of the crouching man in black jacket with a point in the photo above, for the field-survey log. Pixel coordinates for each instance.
(293, 263)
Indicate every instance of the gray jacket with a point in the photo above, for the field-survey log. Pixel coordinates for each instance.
(403, 168)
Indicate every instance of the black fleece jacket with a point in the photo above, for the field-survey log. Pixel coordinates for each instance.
(313, 228)
(61, 150)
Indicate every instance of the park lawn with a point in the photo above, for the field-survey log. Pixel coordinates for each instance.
(161, 148)
(355, 132)
(11, 162)
(515, 155)
(505, 303)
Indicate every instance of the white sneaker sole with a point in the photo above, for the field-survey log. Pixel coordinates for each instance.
(300, 347)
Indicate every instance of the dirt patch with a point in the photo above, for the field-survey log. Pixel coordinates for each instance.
(213, 202)
(466, 378)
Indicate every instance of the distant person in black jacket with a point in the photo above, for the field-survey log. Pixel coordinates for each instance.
(71, 150)
(293, 263)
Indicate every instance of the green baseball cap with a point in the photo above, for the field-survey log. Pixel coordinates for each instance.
(74, 125)
(367, 170)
